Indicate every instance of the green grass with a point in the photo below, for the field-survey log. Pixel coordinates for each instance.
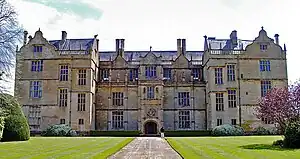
(243, 147)
(63, 147)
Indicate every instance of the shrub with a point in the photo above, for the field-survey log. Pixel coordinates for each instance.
(292, 135)
(16, 128)
(278, 143)
(227, 130)
(59, 130)
(261, 131)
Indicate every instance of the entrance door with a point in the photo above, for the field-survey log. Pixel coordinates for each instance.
(150, 128)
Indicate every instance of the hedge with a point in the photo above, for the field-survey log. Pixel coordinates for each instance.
(59, 130)
(115, 133)
(187, 133)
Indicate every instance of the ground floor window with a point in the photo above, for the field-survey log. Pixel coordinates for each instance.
(184, 119)
(219, 122)
(233, 121)
(34, 118)
(117, 120)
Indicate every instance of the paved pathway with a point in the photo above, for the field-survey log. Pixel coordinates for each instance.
(147, 148)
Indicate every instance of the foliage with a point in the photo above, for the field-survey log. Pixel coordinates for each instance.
(16, 128)
(292, 135)
(280, 105)
(10, 105)
(59, 130)
(191, 133)
(115, 133)
(228, 130)
(278, 143)
(1, 126)
(262, 131)
(246, 125)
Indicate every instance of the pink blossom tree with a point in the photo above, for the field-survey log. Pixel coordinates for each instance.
(280, 105)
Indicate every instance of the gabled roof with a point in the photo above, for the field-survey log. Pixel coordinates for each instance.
(137, 55)
(226, 44)
(73, 44)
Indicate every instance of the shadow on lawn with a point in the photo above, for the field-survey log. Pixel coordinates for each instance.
(265, 147)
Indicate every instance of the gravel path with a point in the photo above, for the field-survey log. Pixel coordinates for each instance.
(147, 148)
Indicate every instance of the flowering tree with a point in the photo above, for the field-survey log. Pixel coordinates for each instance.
(280, 105)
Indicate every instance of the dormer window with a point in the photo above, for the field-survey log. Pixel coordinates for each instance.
(263, 47)
(37, 49)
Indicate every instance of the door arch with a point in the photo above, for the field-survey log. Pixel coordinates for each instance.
(150, 127)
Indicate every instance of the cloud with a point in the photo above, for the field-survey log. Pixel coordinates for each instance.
(77, 7)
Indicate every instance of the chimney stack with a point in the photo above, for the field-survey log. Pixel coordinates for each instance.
(179, 48)
(183, 46)
(120, 44)
(117, 46)
(25, 37)
(63, 35)
(276, 39)
(233, 38)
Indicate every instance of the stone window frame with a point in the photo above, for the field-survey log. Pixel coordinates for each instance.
(117, 98)
(34, 117)
(233, 122)
(184, 119)
(265, 85)
(167, 73)
(150, 71)
(117, 120)
(264, 65)
(232, 102)
(37, 48)
(219, 122)
(230, 72)
(81, 101)
(133, 74)
(62, 121)
(37, 65)
(196, 73)
(150, 92)
(64, 72)
(219, 101)
(80, 121)
(219, 75)
(63, 97)
(82, 73)
(184, 98)
(35, 89)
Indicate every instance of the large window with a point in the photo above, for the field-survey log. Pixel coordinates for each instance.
(64, 73)
(150, 71)
(183, 98)
(35, 89)
(219, 101)
(63, 97)
(81, 101)
(34, 117)
(230, 72)
(37, 66)
(264, 65)
(265, 87)
(231, 98)
(133, 74)
(184, 119)
(150, 93)
(117, 120)
(117, 98)
(218, 75)
(82, 77)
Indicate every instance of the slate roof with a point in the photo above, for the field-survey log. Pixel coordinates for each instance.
(226, 44)
(136, 55)
(73, 44)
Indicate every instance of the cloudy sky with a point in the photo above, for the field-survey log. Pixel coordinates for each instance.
(160, 22)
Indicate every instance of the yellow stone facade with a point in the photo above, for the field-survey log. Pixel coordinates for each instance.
(69, 81)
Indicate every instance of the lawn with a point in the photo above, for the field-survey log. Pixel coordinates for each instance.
(244, 147)
(63, 147)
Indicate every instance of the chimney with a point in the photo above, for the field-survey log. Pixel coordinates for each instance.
(118, 46)
(233, 38)
(25, 37)
(122, 47)
(179, 49)
(183, 46)
(276, 39)
(63, 35)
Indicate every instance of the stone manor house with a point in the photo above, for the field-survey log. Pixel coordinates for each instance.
(69, 81)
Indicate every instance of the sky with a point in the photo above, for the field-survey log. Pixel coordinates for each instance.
(158, 23)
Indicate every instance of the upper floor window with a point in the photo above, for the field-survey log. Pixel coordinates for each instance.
(196, 73)
(184, 119)
(133, 74)
(230, 72)
(219, 101)
(264, 65)
(218, 75)
(150, 92)
(150, 71)
(35, 89)
(37, 66)
(37, 48)
(104, 74)
(231, 98)
(63, 97)
(167, 73)
(64, 73)
(81, 102)
(263, 47)
(265, 87)
(117, 98)
(183, 98)
(82, 77)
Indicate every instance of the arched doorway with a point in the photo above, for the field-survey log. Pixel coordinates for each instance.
(150, 127)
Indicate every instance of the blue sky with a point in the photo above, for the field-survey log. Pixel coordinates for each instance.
(160, 22)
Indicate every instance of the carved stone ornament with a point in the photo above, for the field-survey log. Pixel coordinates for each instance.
(151, 112)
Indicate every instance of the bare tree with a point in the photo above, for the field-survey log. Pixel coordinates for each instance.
(10, 37)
